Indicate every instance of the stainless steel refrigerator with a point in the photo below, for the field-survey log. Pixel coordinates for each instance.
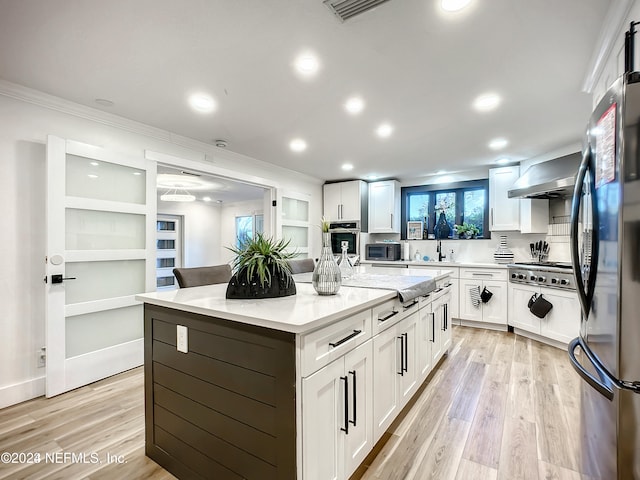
(605, 237)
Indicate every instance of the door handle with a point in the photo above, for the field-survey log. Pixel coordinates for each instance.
(401, 372)
(346, 405)
(600, 385)
(59, 278)
(355, 403)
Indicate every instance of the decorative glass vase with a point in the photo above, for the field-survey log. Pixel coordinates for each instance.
(442, 228)
(503, 254)
(326, 278)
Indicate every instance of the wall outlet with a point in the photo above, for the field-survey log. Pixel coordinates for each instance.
(182, 339)
(41, 357)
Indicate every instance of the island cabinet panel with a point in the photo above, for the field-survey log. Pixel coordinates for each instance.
(226, 407)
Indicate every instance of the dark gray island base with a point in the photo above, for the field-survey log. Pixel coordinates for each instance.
(227, 408)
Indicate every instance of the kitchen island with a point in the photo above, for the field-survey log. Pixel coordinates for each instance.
(251, 388)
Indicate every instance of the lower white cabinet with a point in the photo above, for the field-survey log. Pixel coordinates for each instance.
(426, 339)
(337, 407)
(494, 311)
(561, 324)
(395, 377)
(442, 316)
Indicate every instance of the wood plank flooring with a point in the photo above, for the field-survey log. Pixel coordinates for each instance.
(498, 407)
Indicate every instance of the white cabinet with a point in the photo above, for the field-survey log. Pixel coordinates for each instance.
(504, 212)
(396, 374)
(495, 281)
(346, 201)
(442, 317)
(337, 406)
(453, 280)
(561, 324)
(384, 207)
(425, 338)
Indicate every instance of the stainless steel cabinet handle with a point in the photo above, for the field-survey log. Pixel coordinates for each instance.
(491, 216)
(482, 275)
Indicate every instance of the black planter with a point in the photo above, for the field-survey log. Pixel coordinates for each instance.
(241, 288)
(442, 228)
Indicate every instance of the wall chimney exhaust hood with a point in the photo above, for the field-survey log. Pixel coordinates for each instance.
(550, 179)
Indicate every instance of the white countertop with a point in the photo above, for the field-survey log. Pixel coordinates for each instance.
(439, 265)
(298, 313)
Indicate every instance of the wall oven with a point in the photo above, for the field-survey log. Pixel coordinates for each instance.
(345, 232)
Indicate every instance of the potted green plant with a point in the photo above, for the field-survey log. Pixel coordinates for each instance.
(466, 230)
(261, 269)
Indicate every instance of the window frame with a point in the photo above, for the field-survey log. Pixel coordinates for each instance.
(433, 189)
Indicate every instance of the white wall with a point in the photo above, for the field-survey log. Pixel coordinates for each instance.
(201, 231)
(26, 118)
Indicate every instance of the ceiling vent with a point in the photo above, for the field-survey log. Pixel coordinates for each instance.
(345, 9)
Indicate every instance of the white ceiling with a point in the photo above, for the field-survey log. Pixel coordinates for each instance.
(415, 67)
(220, 191)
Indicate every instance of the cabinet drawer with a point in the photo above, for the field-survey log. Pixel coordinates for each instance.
(391, 312)
(321, 347)
(484, 273)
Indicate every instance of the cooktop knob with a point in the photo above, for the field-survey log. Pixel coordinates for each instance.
(532, 278)
(542, 279)
(564, 282)
(513, 275)
(520, 276)
(554, 280)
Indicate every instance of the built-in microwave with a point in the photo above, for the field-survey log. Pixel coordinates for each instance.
(383, 251)
(345, 232)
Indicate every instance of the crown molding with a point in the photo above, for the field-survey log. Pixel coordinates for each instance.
(611, 27)
(211, 153)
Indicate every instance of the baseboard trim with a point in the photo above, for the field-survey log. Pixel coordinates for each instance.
(21, 392)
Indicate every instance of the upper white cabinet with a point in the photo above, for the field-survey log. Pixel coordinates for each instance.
(506, 214)
(346, 201)
(384, 207)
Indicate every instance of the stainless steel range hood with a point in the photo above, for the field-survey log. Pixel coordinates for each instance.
(551, 179)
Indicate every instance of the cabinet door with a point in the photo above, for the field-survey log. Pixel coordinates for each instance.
(423, 355)
(332, 201)
(519, 314)
(495, 310)
(504, 212)
(358, 365)
(323, 395)
(386, 368)
(468, 311)
(351, 200)
(435, 331)
(384, 203)
(562, 323)
(454, 304)
(445, 321)
(407, 330)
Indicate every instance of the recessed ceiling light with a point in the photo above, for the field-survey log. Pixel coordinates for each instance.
(307, 64)
(104, 102)
(454, 5)
(137, 173)
(498, 143)
(206, 199)
(298, 145)
(372, 177)
(384, 130)
(502, 161)
(354, 105)
(486, 102)
(202, 102)
(347, 166)
(92, 176)
(441, 172)
(94, 164)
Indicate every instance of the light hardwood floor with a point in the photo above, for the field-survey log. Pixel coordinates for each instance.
(498, 407)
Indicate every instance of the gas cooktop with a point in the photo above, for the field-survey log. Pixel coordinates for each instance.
(562, 265)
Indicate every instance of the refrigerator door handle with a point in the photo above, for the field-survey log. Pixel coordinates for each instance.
(585, 297)
(600, 385)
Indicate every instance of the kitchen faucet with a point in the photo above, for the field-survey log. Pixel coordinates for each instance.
(441, 256)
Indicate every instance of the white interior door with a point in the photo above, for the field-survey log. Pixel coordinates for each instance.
(100, 253)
